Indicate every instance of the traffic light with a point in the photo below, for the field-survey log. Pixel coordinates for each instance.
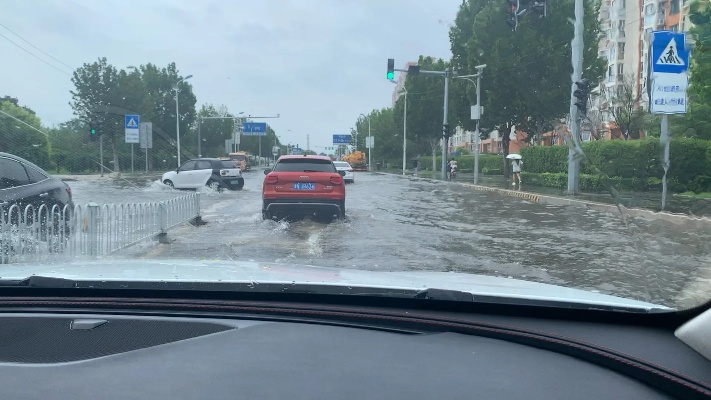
(538, 7)
(581, 96)
(391, 69)
(512, 12)
(445, 131)
(93, 131)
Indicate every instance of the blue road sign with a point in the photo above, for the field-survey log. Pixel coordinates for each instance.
(296, 150)
(341, 139)
(132, 121)
(254, 129)
(669, 52)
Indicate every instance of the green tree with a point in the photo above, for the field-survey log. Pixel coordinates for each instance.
(387, 138)
(624, 107)
(697, 121)
(104, 94)
(525, 81)
(21, 133)
(425, 99)
(72, 151)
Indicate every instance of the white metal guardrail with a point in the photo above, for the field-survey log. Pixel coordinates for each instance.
(32, 234)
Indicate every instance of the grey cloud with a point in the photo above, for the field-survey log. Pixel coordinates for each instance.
(319, 63)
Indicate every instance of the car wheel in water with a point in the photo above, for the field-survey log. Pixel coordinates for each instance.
(214, 186)
(240, 184)
(168, 182)
(266, 215)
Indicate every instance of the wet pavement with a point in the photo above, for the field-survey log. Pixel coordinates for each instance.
(395, 223)
(676, 202)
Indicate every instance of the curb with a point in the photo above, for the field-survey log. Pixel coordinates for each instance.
(626, 213)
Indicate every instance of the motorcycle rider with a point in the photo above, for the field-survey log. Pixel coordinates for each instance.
(452, 168)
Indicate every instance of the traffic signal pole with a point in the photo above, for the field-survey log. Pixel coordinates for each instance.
(574, 150)
(445, 127)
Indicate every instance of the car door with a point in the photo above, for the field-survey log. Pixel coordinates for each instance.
(15, 187)
(184, 174)
(203, 172)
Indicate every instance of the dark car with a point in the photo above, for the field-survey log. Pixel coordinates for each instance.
(22, 183)
(29, 194)
(213, 172)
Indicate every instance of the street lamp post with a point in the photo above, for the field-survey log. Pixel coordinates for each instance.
(177, 114)
(480, 71)
(370, 149)
(404, 130)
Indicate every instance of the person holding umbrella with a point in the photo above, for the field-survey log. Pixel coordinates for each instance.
(516, 163)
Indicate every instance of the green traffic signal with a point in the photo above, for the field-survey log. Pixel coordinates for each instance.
(391, 75)
(93, 131)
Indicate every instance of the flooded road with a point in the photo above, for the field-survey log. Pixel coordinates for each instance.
(396, 223)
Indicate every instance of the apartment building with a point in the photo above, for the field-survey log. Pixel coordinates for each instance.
(398, 91)
(627, 27)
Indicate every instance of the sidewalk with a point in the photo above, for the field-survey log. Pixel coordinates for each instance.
(644, 200)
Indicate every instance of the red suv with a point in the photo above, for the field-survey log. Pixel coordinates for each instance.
(303, 185)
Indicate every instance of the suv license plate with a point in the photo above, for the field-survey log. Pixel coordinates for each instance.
(304, 186)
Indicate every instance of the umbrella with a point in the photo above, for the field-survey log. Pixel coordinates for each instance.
(514, 156)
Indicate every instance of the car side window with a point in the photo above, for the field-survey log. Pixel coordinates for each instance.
(188, 166)
(203, 164)
(12, 174)
(35, 175)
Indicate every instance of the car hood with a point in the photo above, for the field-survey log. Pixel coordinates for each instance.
(179, 270)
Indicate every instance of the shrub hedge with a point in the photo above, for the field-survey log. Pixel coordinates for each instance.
(489, 164)
(631, 165)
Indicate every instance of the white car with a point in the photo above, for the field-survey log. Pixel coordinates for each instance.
(212, 172)
(349, 177)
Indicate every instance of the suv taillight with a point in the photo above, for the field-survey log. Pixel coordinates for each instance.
(336, 180)
(271, 179)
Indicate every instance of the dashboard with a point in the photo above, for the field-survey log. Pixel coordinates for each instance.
(306, 351)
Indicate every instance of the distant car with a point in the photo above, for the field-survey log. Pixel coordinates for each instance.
(212, 172)
(24, 184)
(349, 177)
(303, 185)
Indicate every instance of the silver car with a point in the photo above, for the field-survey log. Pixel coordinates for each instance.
(349, 177)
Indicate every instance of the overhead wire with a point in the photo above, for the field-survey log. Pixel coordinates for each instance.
(37, 48)
(34, 55)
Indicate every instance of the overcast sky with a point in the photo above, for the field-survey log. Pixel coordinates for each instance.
(317, 63)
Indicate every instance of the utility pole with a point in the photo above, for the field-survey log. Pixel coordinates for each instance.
(308, 147)
(404, 137)
(577, 56)
(480, 69)
(476, 138)
(415, 69)
(445, 125)
(101, 152)
(199, 139)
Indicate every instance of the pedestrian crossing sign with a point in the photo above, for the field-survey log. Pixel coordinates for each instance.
(669, 52)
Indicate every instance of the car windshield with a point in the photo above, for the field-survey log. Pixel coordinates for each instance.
(487, 147)
(304, 165)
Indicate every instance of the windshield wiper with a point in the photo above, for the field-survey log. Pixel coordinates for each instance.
(37, 281)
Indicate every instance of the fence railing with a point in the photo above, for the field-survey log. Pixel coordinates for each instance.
(32, 234)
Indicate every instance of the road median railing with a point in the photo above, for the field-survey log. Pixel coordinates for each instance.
(29, 234)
